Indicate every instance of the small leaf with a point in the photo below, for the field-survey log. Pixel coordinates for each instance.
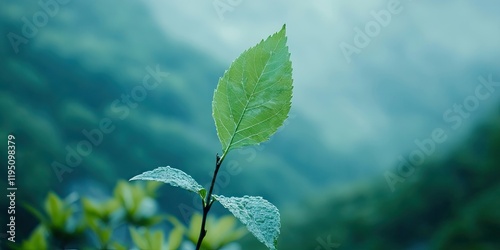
(37, 240)
(175, 238)
(223, 231)
(260, 217)
(55, 209)
(224, 225)
(118, 246)
(194, 227)
(139, 240)
(151, 188)
(92, 209)
(203, 193)
(253, 97)
(105, 235)
(172, 176)
(156, 240)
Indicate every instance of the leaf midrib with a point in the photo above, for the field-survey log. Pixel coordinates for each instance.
(246, 105)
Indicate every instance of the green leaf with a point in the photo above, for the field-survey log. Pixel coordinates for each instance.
(106, 211)
(129, 196)
(146, 239)
(92, 209)
(175, 238)
(260, 217)
(172, 176)
(156, 239)
(37, 240)
(139, 240)
(118, 246)
(194, 227)
(223, 231)
(105, 234)
(253, 97)
(56, 210)
(151, 188)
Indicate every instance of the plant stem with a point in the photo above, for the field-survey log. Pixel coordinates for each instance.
(207, 204)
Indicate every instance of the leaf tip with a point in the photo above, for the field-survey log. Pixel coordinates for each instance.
(137, 177)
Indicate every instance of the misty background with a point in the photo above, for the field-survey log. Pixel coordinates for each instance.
(326, 169)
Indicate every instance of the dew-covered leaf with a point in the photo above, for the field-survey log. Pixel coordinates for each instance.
(172, 176)
(253, 97)
(260, 217)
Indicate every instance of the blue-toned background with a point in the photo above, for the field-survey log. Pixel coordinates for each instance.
(392, 142)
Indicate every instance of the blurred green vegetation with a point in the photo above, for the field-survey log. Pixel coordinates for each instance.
(449, 203)
(82, 223)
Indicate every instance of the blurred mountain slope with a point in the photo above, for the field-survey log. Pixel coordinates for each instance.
(449, 203)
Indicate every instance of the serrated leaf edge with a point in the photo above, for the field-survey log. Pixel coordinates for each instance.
(273, 246)
(228, 147)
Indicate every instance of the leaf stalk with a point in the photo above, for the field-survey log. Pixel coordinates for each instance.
(207, 203)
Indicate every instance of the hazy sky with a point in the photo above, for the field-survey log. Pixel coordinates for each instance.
(417, 63)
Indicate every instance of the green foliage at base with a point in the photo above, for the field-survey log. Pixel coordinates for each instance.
(83, 223)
